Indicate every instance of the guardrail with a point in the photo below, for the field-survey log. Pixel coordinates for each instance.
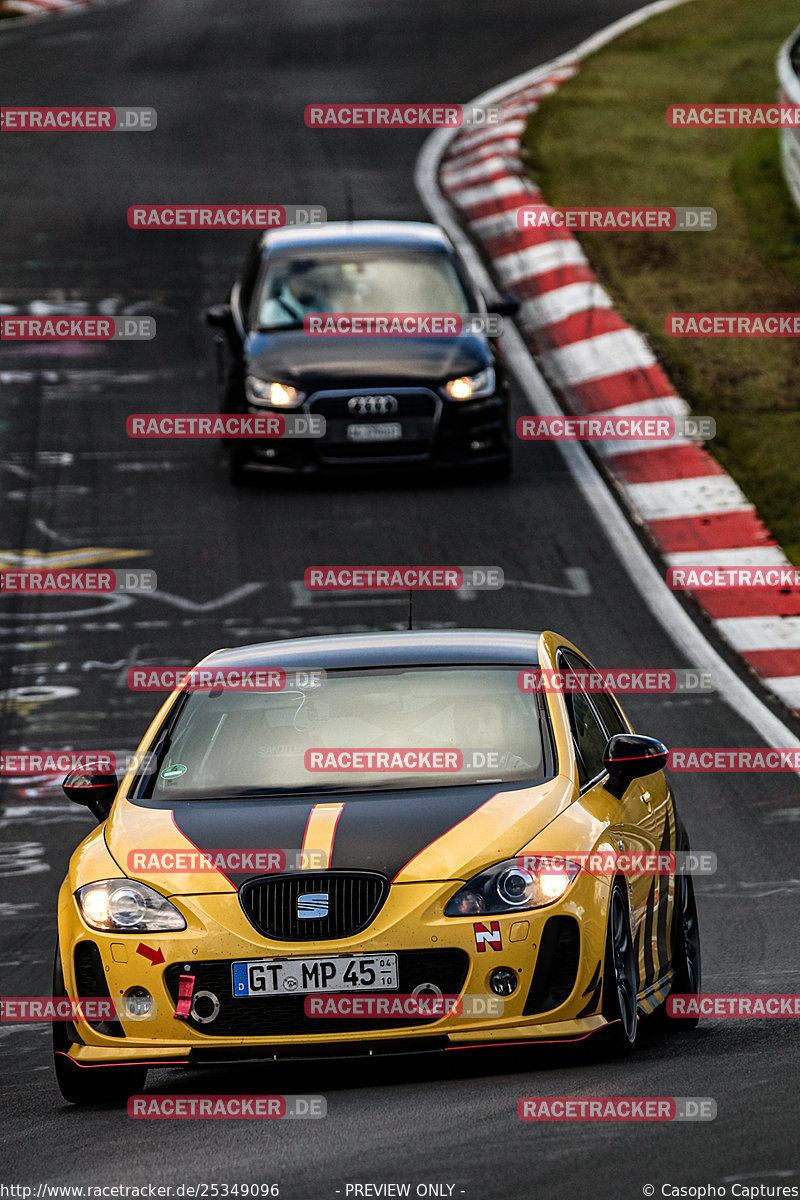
(788, 68)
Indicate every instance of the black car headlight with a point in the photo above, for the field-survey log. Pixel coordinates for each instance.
(471, 387)
(279, 395)
(127, 906)
(511, 887)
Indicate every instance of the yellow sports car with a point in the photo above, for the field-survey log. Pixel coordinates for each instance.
(365, 845)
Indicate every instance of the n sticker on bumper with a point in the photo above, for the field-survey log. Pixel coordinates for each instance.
(488, 936)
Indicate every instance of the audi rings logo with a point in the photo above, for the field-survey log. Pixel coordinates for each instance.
(374, 406)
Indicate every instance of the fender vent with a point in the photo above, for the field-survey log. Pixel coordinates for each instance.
(90, 980)
(556, 967)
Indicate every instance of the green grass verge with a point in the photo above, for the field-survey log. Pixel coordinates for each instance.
(603, 139)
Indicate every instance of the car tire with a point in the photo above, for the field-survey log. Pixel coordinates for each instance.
(620, 999)
(107, 1086)
(686, 959)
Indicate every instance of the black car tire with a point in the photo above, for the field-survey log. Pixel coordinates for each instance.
(620, 1000)
(107, 1086)
(686, 959)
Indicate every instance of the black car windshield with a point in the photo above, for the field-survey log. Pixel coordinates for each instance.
(359, 730)
(378, 281)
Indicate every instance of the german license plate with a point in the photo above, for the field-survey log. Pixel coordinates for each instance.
(295, 976)
(387, 431)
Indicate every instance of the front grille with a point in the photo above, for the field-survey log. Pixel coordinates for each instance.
(409, 404)
(556, 965)
(416, 414)
(279, 1016)
(90, 981)
(354, 900)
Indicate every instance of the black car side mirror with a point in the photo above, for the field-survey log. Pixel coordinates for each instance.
(630, 756)
(96, 790)
(219, 316)
(505, 306)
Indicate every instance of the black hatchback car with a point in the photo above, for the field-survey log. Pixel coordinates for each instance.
(403, 401)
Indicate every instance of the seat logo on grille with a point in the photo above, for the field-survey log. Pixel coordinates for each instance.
(372, 405)
(312, 906)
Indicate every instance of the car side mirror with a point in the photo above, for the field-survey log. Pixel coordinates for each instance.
(96, 790)
(505, 306)
(219, 316)
(630, 756)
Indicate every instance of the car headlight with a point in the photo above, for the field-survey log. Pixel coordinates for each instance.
(509, 887)
(127, 906)
(471, 387)
(281, 395)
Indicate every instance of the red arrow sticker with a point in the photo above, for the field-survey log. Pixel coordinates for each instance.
(153, 956)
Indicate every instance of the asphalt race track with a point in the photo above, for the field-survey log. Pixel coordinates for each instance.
(230, 81)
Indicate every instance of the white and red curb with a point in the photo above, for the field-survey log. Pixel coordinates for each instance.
(33, 8)
(595, 362)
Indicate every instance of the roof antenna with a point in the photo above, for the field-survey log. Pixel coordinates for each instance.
(410, 609)
(348, 201)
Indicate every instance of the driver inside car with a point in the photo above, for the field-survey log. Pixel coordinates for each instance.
(300, 295)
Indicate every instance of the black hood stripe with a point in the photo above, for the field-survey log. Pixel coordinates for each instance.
(243, 825)
(386, 832)
(379, 831)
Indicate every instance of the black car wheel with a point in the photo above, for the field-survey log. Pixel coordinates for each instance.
(108, 1086)
(685, 948)
(620, 1003)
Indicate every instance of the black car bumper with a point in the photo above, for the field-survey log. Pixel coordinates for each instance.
(424, 431)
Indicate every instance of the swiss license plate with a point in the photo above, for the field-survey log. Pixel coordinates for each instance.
(295, 976)
(387, 431)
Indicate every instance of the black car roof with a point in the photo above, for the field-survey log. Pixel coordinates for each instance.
(399, 235)
(412, 647)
